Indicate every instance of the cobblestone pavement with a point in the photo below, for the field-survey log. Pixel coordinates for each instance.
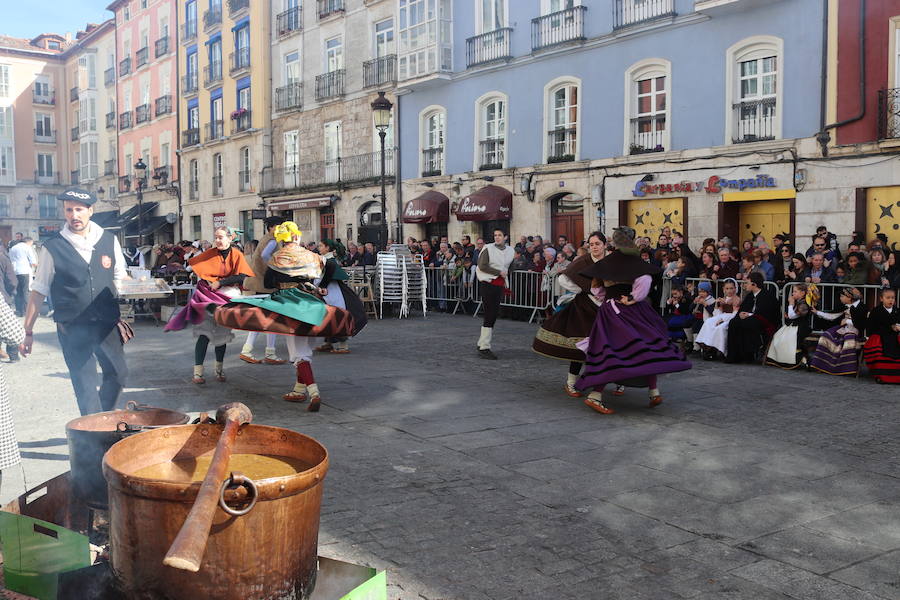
(475, 479)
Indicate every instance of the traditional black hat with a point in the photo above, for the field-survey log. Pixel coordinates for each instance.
(86, 197)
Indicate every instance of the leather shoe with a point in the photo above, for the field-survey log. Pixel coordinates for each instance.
(655, 401)
(486, 353)
(599, 406)
(314, 404)
(619, 391)
(293, 396)
(273, 361)
(573, 392)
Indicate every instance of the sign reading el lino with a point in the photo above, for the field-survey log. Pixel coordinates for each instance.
(713, 185)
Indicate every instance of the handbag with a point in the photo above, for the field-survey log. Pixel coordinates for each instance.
(126, 332)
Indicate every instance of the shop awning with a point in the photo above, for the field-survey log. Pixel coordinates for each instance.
(301, 203)
(108, 219)
(149, 225)
(132, 213)
(430, 207)
(490, 203)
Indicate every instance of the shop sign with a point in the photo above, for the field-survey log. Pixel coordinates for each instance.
(713, 185)
(219, 220)
(414, 212)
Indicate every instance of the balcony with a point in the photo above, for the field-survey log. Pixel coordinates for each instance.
(631, 12)
(212, 74)
(73, 177)
(124, 67)
(162, 46)
(361, 168)
(289, 96)
(648, 134)
(236, 6)
(142, 114)
(109, 76)
(330, 7)
(755, 121)
(45, 136)
(380, 71)
(193, 189)
(124, 184)
(561, 144)
(160, 175)
(240, 60)
(142, 57)
(492, 153)
(164, 105)
(243, 181)
(888, 113)
(189, 84)
(330, 85)
(215, 130)
(432, 161)
(190, 137)
(74, 134)
(188, 31)
(47, 99)
(240, 121)
(73, 94)
(217, 185)
(488, 47)
(289, 21)
(46, 178)
(212, 17)
(111, 120)
(109, 167)
(558, 28)
(125, 120)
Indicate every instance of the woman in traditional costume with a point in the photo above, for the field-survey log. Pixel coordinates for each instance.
(629, 342)
(557, 335)
(882, 349)
(221, 271)
(339, 295)
(786, 348)
(836, 352)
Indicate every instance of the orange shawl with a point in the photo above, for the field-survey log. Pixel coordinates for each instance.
(210, 266)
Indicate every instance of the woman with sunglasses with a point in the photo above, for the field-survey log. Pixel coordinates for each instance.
(783, 262)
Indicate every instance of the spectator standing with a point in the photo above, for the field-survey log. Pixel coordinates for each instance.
(727, 267)
(24, 260)
(818, 272)
(492, 273)
(479, 246)
(8, 284)
(369, 257)
(12, 334)
(820, 246)
(15, 241)
(354, 256)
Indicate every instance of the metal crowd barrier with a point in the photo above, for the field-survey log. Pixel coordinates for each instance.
(829, 298)
(442, 287)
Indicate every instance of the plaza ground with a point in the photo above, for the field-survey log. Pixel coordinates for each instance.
(473, 479)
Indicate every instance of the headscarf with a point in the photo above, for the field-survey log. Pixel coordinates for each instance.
(287, 231)
(296, 261)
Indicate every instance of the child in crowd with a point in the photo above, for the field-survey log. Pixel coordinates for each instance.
(702, 307)
(714, 332)
(677, 314)
(836, 352)
(786, 349)
(882, 349)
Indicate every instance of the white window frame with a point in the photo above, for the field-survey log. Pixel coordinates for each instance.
(428, 54)
(4, 81)
(390, 45)
(287, 64)
(291, 159)
(649, 68)
(479, 15)
(336, 53)
(7, 125)
(751, 48)
(549, 90)
(481, 105)
(8, 164)
(547, 4)
(424, 144)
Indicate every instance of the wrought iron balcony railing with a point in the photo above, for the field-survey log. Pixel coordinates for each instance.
(109, 76)
(212, 73)
(755, 121)
(492, 154)
(124, 67)
(142, 57)
(289, 96)
(74, 134)
(236, 6)
(240, 121)
(561, 144)
(558, 28)
(111, 120)
(48, 99)
(330, 85)
(73, 94)
(142, 114)
(46, 178)
(289, 21)
(160, 175)
(125, 120)
(109, 167)
(240, 60)
(629, 12)
(648, 134)
(45, 136)
(380, 71)
(889, 113)
(212, 17)
(162, 46)
(344, 170)
(164, 105)
(488, 47)
(330, 7)
(124, 184)
(189, 84)
(190, 137)
(215, 130)
(188, 31)
(432, 161)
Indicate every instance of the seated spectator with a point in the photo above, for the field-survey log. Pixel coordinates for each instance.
(712, 335)
(755, 323)
(764, 266)
(786, 349)
(353, 257)
(878, 266)
(836, 352)
(702, 308)
(798, 269)
(882, 349)
(747, 267)
(818, 272)
(727, 267)
(677, 314)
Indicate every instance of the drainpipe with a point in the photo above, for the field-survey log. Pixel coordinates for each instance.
(823, 137)
(398, 188)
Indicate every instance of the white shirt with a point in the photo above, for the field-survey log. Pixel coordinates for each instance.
(84, 246)
(23, 258)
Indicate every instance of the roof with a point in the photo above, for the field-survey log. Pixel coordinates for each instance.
(14, 43)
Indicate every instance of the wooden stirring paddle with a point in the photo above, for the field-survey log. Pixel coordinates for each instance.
(186, 552)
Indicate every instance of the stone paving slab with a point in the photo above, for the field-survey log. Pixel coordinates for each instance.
(481, 480)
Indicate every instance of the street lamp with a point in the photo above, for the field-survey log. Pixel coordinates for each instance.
(381, 107)
(140, 176)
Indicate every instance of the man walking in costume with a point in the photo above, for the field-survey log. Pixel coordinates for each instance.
(493, 277)
(264, 251)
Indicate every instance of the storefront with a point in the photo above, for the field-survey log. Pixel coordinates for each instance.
(313, 216)
(491, 206)
(431, 209)
(567, 217)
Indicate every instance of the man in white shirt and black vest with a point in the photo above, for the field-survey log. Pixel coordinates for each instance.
(80, 267)
(492, 273)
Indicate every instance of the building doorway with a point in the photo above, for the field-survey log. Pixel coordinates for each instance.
(567, 218)
(326, 223)
(371, 228)
(744, 220)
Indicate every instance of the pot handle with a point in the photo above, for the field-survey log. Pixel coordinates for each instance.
(132, 405)
(124, 427)
(237, 480)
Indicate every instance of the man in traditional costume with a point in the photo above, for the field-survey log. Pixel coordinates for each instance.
(755, 322)
(493, 277)
(629, 342)
(261, 255)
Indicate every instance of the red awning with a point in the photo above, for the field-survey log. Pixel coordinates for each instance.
(430, 207)
(490, 203)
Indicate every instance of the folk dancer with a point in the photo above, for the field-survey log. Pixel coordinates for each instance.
(493, 276)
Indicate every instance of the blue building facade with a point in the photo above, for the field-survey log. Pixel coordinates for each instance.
(558, 103)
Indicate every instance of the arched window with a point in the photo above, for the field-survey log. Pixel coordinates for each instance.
(755, 73)
(491, 126)
(193, 179)
(647, 102)
(562, 119)
(433, 129)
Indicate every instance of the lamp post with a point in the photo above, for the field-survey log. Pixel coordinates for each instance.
(140, 176)
(381, 107)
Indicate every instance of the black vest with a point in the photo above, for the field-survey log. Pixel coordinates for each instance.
(83, 292)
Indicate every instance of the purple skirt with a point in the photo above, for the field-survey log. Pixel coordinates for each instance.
(629, 345)
(195, 312)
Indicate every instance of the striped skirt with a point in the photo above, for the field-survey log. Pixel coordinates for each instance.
(883, 367)
(837, 352)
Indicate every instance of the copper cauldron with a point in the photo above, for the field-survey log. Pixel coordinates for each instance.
(91, 436)
(268, 552)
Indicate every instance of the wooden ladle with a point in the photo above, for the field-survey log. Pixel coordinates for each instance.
(186, 552)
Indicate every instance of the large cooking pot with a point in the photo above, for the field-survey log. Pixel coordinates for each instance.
(265, 553)
(91, 436)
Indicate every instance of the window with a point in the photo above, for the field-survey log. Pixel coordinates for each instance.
(425, 37)
(491, 133)
(48, 205)
(215, 59)
(384, 38)
(334, 54)
(190, 18)
(492, 15)
(193, 179)
(43, 126)
(196, 227)
(754, 76)
(45, 165)
(143, 3)
(127, 12)
(88, 168)
(6, 122)
(563, 112)
(291, 159)
(552, 6)
(4, 205)
(243, 97)
(216, 112)
(53, 45)
(244, 172)
(7, 165)
(433, 142)
(42, 90)
(163, 155)
(217, 175)
(332, 151)
(4, 81)
(91, 64)
(292, 68)
(647, 106)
